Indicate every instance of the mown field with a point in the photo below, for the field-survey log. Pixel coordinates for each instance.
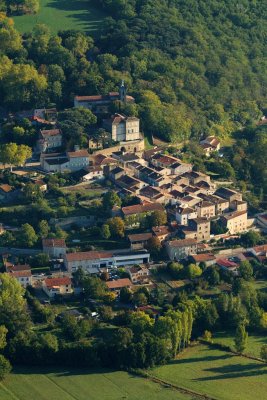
(254, 345)
(75, 385)
(61, 15)
(216, 373)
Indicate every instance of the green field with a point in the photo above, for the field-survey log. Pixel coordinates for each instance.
(254, 342)
(63, 14)
(219, 374)
(76, 385)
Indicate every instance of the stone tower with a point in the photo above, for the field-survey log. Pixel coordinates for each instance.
(122, 92)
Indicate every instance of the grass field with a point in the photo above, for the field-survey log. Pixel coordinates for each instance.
(216, 373)
(76, 385)
(254, 342)
(63, 14)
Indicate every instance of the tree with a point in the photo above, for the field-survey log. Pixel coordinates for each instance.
(241, 338)
(139, 299)
(123, 337)
(43, 228)
(116, 226)
(3, 333)
(175, 269)
(94, 287)
(158, 218)
(5, 367)
(212, 276)
(105, 231)
(125, 295)
(74, 329)
(32, 192)
(246, 270)
(13, 312)
(250, 238)
(40, 260)
(28, 236)
(193, 271)
(14, 154)
(110, 199)
(153, 245)
(263, 353)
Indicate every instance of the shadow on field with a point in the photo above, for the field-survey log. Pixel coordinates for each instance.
(199, 359)
(60, 372)
(89, 16)
(235, 371)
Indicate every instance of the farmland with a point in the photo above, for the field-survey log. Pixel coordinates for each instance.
(62, 15)
(78, 385)
(216, 373)
(254, 342)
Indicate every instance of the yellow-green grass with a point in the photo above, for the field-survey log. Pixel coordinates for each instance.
(26, 384)
(216, 373)
(254, 345)
(61, 15)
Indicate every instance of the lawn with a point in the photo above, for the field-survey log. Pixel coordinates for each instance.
(254, 342)
(61, 15)
(79, 385)
(219, 374)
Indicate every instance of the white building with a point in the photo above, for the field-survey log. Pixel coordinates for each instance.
(49, 140)
(123, 128)
(92, 261)
(64, 162)
(55, 248)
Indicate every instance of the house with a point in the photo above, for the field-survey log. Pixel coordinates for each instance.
(207, 258)
(173, 164)
(57, 286)
(210, 144)
(49, 140)
(123, 128)
(64, 162)
(228, 194)
(8, 193)
(195, 177)
(179, 249)
(182, 215)
(22, 273)
(139, 274)
(162, 232)
(117, 285)
(139, 240)
(239, 205)
(55, 248)
(116, 173)
(228, 265)
(99, 104)
(94, 173)
(260, 252)
(206, 209)
(202, 228)
(92, 261)
(235, 222)
(40, 183)
(133, 215)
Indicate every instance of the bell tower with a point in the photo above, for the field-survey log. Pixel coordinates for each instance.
(122, 92)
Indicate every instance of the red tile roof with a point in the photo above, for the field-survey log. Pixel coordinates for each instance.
(51, 132)
(20, 274)
(78, 153)
(139, 237)
(182, 243)
(142, 208)
(54, 243)
(119, 283)
(88, 255)
(203, 257)
(19, 268)
(52, 282)
(6, 188)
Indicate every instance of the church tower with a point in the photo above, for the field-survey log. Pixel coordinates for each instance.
(122, 92)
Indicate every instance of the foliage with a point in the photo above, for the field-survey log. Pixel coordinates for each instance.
(116, 227)
(241, 338)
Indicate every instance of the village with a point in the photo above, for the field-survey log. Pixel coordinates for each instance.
(175, 213)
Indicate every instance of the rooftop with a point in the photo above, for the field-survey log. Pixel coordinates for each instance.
(142, 208)
(119, 283)
(53, 243)
(52, 282)
(182, 243)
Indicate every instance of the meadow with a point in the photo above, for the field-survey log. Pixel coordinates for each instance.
(62, 15)
(78, 385)
(216, 373)
(254, 345)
